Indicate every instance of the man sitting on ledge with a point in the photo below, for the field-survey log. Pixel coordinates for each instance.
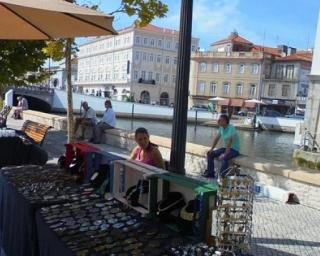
(88, 119)
(230, 150)
(108, 122)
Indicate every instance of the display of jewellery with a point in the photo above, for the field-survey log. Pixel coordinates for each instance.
(105, 227)
(191, 250)
(234, 213)
(42, 184)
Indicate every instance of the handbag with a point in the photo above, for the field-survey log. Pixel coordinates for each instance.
(172, 202)
(133, 193)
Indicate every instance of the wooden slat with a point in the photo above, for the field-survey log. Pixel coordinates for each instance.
(35, 130)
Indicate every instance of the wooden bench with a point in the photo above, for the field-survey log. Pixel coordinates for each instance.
(34, 131)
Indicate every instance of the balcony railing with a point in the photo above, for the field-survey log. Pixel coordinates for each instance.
(245, 55)
(142, 81)
(281, 78)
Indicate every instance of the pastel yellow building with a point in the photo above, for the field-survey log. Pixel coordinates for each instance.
(234, 69)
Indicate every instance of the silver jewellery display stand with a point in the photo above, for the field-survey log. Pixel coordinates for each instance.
(234, 213)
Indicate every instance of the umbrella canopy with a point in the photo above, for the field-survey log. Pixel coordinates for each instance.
(255, 101)
(47, 19)
(216, 99)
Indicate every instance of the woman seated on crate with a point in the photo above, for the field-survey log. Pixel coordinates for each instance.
(146, 152)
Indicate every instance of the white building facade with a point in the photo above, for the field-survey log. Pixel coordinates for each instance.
(140, 63)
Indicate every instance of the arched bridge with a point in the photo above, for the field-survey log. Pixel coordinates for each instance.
(39, 98)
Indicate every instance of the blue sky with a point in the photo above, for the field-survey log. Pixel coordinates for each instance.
(268, 22)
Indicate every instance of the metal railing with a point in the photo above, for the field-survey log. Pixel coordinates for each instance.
(309, 142)
(32, 89)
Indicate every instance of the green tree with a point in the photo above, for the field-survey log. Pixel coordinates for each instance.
(145, 11)
(17, 59)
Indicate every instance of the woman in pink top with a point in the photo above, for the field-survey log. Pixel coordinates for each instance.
(146, 152)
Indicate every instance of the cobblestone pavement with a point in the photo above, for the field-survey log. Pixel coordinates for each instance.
(284, 229)
(278, 229)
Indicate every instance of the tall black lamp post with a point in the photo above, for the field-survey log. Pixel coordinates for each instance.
(179, 130)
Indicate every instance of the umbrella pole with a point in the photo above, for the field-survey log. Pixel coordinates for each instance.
(69, 91)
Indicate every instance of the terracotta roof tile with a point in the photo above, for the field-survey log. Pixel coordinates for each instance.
(231, 39)
(269, 50)
(297, 57)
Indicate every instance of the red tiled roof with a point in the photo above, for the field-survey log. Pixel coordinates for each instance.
(157, 29)
(269, 50)
(297, 57)
(231, 39)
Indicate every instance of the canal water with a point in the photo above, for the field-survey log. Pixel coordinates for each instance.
(268, 145)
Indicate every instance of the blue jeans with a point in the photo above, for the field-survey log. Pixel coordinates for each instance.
(225, 162)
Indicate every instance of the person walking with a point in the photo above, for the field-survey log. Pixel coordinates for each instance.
(231, 148)
(108, 122)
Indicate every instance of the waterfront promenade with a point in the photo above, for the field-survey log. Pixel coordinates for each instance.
(279, 229)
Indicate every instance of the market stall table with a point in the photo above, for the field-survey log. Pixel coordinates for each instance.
(23, 190)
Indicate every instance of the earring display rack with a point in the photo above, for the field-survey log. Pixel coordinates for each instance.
(234, 213)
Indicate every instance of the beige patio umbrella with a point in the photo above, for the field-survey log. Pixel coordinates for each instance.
(48, 19)
(45, 19)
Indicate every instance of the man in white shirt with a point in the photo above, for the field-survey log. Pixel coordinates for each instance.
(88, 119)
(108, 122)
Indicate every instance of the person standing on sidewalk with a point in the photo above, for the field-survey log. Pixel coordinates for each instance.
(230, 150)
(108, 122)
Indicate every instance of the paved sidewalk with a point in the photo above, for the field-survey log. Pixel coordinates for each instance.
(279, 229)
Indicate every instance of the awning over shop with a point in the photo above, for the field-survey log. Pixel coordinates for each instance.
(236, 102)
(249, 105)
(225, 102)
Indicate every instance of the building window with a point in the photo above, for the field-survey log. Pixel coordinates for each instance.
(290, 71)
(213, 88)
(255, 69)
(227, 68)
(151, 57)
(272, 90)
(279, 71)
(177, 46)
(202, 67)
(144, 56)
(159, 43)
(137, 40)
(137, 56)
(167, 60)
(143, 75)
(285, 90)
(252, 90)
(135, 75)
(193, 48)
(159, 58)
(201, 87)
(157, 77)
(168, 44)
(241, 68)
(175, 60)
(165, 78)
(226, 88)
(174, 79)
(150, 76)
(152, 42)
(145, 40)
(239, 89)
(215, 67)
